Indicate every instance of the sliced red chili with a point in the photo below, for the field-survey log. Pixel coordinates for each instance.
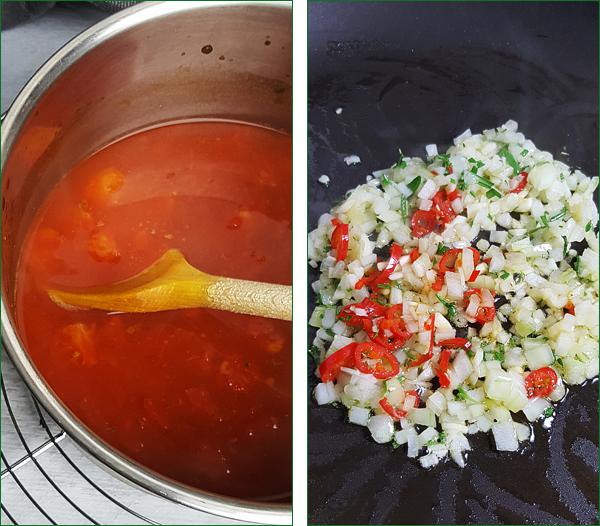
(371, 310)
(453, 195)
(443, 209)
(391, 334)
(522, 183)
(541, 382)
(394, 312)
(474, 275)
(442, 368)
(395, 254)
(395, 412)
(423, 222)
(456, 343)
(483, 314)
(414, 393)
(385, 364)
(439, 282)
(448, 261)
(330, 367)
(339, 239)
(570, 308)
(414, 255)
(427, 356)
(367, 278)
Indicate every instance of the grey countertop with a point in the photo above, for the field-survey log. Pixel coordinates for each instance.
(61, 484)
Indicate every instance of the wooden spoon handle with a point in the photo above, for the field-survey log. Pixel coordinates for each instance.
(251, 297)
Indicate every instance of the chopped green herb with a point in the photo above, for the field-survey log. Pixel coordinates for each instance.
(548, 412)
(462, 184)
(401, 162)
(476, 165)
(444, 159)
(441, 439)
(482, 181)
(565, 246)
(463, 395)
(441, 249)
(504, 274)
(545, 220)
(452, 180)
(524, 152)
(559, 215)
(499, 353)
(404, 208)
(470, 353)
(395, 444)
(492, 192)
(510, 160)
(450, 306)
(384, 181)
(410, 354)
(577, 264)
(413, 186)
(588, 227)
(387, 286)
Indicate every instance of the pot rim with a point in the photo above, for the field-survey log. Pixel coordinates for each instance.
(80, 45)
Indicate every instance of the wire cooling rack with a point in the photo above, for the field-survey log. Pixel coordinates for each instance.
(48, 479)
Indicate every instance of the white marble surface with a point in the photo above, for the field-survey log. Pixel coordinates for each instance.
(24, 49)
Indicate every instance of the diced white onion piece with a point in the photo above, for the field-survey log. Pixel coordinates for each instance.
(454, 285)
(381, 428)
(468, 264)
(325, 393)
(474, 303)
(359, 415)
(523, 431)
(413, 443)
(431, 150)
(505, 436)
(535, 408)
(428, 191)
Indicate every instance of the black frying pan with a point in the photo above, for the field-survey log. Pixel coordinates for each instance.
(407, 74)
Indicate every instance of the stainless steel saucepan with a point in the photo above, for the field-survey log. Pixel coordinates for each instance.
(153, 63)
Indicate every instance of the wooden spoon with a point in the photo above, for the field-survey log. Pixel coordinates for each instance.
(172, 283)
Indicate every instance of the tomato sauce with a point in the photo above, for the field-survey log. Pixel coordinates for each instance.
(198, 395)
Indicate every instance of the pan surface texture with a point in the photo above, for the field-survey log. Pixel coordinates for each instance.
(405, 75)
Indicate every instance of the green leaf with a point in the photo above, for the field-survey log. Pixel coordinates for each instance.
(413, 186)
(510, 160)
(548, 412)
(504, 274)
(588, 227)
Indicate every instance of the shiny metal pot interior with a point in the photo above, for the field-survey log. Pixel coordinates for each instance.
(153, 63)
